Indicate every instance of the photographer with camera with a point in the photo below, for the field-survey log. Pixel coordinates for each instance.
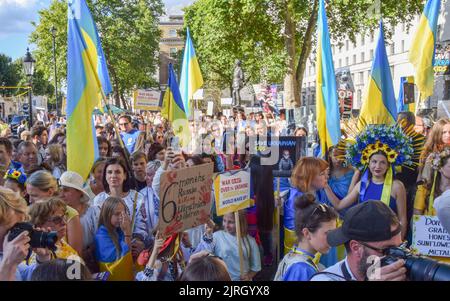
(375, 251)
(368, 230)
(13, 251)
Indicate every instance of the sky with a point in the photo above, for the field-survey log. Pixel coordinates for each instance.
(16, 17)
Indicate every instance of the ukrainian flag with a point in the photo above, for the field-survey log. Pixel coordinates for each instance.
(87, 76)
(421, 53)
(379, 104)
(401, 106)
(328, 123)
(118, 263)
(174, 110)
(191, 77)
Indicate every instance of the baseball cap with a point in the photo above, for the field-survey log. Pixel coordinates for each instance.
(368, 222)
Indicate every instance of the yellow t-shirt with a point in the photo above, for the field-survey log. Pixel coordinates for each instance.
(70, 213)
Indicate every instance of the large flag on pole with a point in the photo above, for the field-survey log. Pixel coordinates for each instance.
(379, 103)
(328, 120)
(87, 76)
(421, 53)
(191, 77)
(174, 111)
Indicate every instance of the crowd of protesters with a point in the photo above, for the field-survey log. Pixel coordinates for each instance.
(112, 217)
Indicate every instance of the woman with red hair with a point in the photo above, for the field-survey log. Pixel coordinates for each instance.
(310, 175)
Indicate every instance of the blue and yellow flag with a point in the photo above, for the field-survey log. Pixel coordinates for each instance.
(191, 77)
(118, 263)
(327, 107)
(421, 53)
(401, 105)
(87, 76)
(379, 105)
(174, 111)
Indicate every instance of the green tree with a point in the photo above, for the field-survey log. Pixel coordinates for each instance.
(129, 33)
(9, 74)
(277, 36)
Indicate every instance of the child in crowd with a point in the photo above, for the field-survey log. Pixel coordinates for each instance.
(312, 223)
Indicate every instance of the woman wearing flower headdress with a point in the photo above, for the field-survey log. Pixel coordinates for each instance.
(15, 180)
(376, 153)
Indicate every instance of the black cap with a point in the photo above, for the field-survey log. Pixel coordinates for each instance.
(368, 222)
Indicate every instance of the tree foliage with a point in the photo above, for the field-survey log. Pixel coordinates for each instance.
(130, 38)
(255, 31)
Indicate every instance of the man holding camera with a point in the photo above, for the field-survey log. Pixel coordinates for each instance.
(12, 253)
(369, 229)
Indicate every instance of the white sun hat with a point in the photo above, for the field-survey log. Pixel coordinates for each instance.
(73, 180)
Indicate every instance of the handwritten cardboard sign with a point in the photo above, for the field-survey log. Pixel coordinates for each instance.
(185, 198)
(232, 191)
(429, 237)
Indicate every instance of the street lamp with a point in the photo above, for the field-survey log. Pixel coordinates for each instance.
(28, 68)
(53, 30)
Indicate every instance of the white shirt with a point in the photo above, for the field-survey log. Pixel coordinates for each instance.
(335, 269)
(89, 223)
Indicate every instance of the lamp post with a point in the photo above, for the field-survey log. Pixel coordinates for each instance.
(28, 68)
(53, 30)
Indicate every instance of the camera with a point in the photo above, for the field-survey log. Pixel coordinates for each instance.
(38, 239)
(419, 268)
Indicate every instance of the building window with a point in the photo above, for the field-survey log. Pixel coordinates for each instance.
(173, 53)
(403, 45)
(372, 36)
(371, 54)
(359, 100)
(362, 57)
(392, 48)
(354, 59)
(346, 61)
(361, 77)
(332, 49)
(172, 33)
(363, 40)
(340, 63)
(346, 45)
(403, 27)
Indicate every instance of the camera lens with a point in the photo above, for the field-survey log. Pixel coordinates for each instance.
(40, 239)
(424, 269)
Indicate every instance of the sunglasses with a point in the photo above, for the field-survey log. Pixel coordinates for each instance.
(381, 250)
(124, 124)
(57, 220)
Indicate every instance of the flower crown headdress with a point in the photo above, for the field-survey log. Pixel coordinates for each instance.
(16, 175)
(401, 146)
(436, 160)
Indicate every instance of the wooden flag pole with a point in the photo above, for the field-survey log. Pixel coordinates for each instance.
(239, 236)
(277, 224)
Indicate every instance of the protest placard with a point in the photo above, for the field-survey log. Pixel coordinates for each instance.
(185, 198)
(429, 237)
(232, 191)
(147, 100)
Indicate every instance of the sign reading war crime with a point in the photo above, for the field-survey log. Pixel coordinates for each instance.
(232, 191)
(429, 237)
(185, 198)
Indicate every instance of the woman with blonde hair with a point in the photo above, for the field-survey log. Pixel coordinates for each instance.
(437, 141)
(41, 185)
(13, 209)
(54, 157)
(310, 175)
(113, 240)
(224, 244)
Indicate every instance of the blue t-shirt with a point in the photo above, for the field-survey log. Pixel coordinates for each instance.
(129, 139)
(299, 271)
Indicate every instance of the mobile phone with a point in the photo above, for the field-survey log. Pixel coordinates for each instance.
(175, 144)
